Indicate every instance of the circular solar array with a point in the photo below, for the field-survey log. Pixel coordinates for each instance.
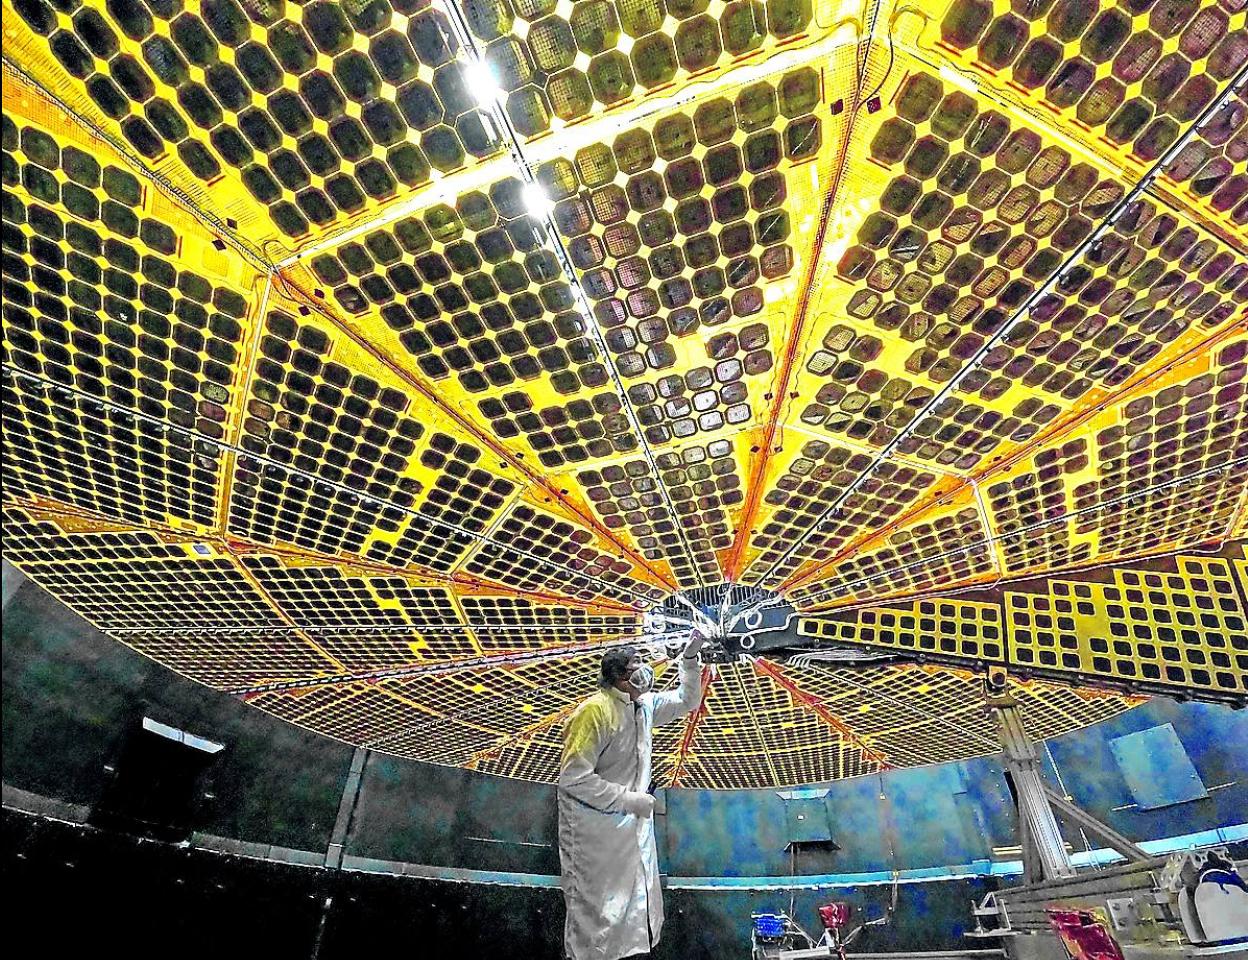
(381, 361)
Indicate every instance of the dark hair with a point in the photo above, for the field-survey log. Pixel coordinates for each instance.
(615, 665)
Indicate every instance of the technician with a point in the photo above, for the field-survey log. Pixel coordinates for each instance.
(610, 866)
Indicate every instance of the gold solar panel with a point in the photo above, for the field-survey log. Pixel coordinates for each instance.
(382, 361)
(952, 627)
(1187, 628)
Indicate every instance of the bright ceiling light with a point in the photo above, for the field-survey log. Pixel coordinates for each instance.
(482, 83)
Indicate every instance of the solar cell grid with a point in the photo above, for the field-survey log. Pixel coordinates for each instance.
(378, 361)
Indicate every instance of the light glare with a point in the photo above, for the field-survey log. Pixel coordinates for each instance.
(482, 83)
(536, 201)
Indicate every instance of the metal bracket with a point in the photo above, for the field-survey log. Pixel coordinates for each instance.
(1044, 849)
(1102, 831)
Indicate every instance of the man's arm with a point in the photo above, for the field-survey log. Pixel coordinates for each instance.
(584, 738)
(674, 704)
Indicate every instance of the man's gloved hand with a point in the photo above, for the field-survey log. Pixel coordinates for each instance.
(638, 804)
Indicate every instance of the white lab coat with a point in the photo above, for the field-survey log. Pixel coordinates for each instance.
(609, 863)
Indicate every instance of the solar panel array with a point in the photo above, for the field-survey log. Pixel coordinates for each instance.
(376, 360)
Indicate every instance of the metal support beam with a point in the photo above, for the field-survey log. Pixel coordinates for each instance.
(14, 580)
(1041, 839)
(346, 809)
(1031, 869)
(337, 841)
(1102, 831)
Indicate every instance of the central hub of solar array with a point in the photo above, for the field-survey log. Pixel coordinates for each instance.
(733, 618)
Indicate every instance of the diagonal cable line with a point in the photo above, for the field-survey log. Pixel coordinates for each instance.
(465, 423)
(1042, 440)
(1140, 188)
(218, 227)
(737, 676)
(1051, 521)
(492, 703)
(505, 658)
(363, 498)
(845, 676)
(754, 493)
(266, 268)
(812, 703)
(371, 630)
(371, 569)
(778, 599)
(503, 122)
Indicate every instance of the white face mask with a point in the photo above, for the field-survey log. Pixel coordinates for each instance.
(642, 679)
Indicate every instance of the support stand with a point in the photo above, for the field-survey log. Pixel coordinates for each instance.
(1044, 850)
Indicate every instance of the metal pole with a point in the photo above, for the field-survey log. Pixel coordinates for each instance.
(1035, 815)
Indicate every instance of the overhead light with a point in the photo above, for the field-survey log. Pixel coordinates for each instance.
(482, 83)
(536, 201)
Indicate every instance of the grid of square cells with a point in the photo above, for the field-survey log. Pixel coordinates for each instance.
(362, 621)
(703, 481)
(159, 587)
(319, 109)
(1139, 288)
(980, 216)
(1186, 627)
(815, 478)
(913, 715)
(531, 550)
(678, 225)
(92, 298)
(1021, 508)
(580, 430)
(897, 709)
(708, 398)
(1197, 425)
(727, 749)
(748, 717)
(471, 291)
(971, 630)
(1136, 73)
(949, 549)
(335, 461)
(1199, 510)
(161, 599)
(33, 537)
(326, 596)
(894, 710)
(560, 62)
(1051, 710)
(503, 700)
(233, 658)
(506, 721)
(527, 735)
(533, 732)
(866, 405)
(104, 458)
(539, 624)
(529, 758)
(357, 713)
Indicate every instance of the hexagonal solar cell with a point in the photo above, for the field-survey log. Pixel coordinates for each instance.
(311, 113)
(383, 361)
